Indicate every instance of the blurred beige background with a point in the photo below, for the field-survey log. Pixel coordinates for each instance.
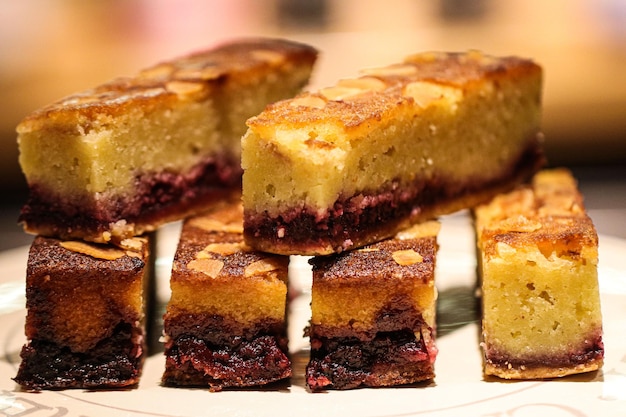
(53, 48)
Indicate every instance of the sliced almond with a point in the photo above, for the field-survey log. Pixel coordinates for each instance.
(398, 70)
(338, 92)
(157, 72)
(210, 267)
(312, 102)
(211, 224)
(407, 257)
(519, 224)
(183, 88)
(223, 249)
(271, 57)
(195, 73)
(363, 83)
(425, 93)
(262, 266)
(99, 252)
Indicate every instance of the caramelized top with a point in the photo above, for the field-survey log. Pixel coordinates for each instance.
(191, 77)
(411, 253)
(548, 213)
(212, 244)
(421, 79)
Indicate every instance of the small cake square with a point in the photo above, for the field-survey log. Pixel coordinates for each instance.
(85, 320)
(373, 313)
(538, 257)
(225, 324)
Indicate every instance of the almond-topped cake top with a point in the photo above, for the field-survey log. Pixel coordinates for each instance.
(422, 79)
(190, 77)
(548, 212)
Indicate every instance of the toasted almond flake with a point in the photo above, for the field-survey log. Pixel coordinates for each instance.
(312, 102)
(99, 252)
(363, 83)
(425, 57)
(398, 70)
(424, 92)
(338, 92)
(407, 257)
(261, 267)
(183, 88)
(203, 73)
(210, 267)
(211, 224)
(268, 56)
(158, 72)
(225, 248)
(519, 224)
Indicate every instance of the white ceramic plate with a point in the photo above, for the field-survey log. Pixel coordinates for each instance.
(458, 389)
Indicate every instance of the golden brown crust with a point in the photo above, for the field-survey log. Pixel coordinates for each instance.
(548, 213)
(379, 91)
(191, 77)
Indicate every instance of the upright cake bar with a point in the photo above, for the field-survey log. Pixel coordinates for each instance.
(355, 163)
(373, 313)
(538, 256)
(129, 155)
(85, 322)
(225, 324)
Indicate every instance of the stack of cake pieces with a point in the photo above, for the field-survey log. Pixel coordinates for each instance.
(110, 164)
(354, 175)
(341, 172)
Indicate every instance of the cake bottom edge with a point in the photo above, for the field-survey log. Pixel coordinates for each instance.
(115, 362)
(244, 362)
(390, 359)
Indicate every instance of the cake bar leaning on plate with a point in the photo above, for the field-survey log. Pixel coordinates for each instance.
(538, 258)
(129, 155)
(355, 163)
(86, 307)
(225, 324)
(373, 313)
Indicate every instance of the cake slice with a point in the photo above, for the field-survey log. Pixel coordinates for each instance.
(225, 324)
(85, 321)
(373, 313)
(129, 155)
(355, 163)
(538, 256)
